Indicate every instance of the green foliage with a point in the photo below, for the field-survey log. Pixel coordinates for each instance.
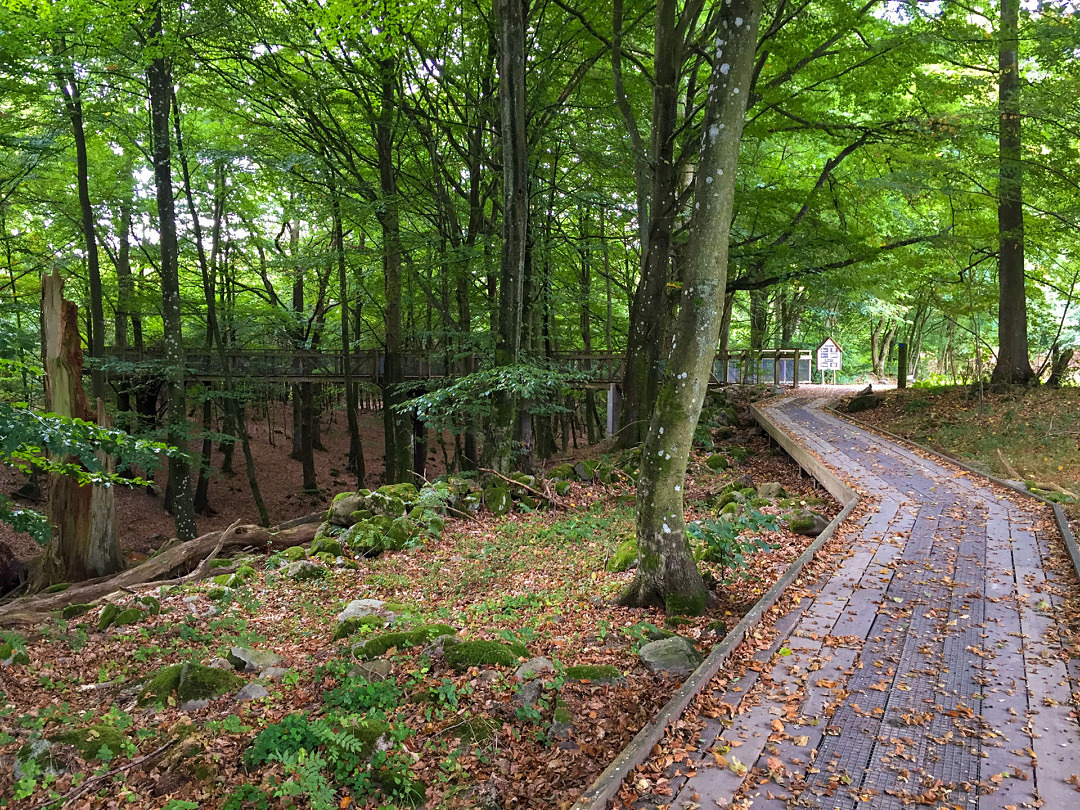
(455, 406)
(357, 695)
(247, 797)
(722, 541)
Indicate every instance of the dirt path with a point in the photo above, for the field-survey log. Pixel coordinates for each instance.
(928, 669)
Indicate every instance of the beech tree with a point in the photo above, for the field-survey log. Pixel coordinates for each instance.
(667, 573)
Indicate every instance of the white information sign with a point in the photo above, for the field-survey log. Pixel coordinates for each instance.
(829, 356)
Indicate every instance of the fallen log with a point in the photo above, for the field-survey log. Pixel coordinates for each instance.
(182, 562)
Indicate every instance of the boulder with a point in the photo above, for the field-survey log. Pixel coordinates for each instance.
(624, 558)
(670, 656)
(484, 653)
(770, 490)
(810, 524)
(595, 673)
(344, 505)
(327, 545)
(497, 500)
(745, 481)
(252, 691)
(377, 670)
(584, 471)
(717, 461)
(305, 570)
(246, 659)
(534, 667)
(361, 607)
(90, 740)
(273, 673)
(188, 682)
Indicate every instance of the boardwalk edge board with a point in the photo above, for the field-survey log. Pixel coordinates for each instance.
(607, 784)
(1060, 518)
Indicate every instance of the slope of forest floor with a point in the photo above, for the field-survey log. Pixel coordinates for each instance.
(1029, 434)
(479, 737)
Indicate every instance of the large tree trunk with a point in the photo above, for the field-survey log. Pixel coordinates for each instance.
(83, 518)
(160, 84)
(355, 464)
(511, 14)
(643, 350)
(1013, 365)
(396, 426)
(69, 86)
(667, 574)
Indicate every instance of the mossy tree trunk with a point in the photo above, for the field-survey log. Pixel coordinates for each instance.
(667, 573)
(511, 14)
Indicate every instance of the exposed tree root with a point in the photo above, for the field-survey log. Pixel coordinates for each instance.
(177, 564)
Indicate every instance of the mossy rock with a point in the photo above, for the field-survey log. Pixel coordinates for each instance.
(129, 616)
(484, 653)
(562, 488)
(294, 553)
(604, 473)
(801, 523)
(676, 621)
(189, 682)
(215, 594)
(362, 514)
(368, 733)
(397, 536)
(595, 673)
(221, 562)
(403, 788)
(305, 571)
(353, 625)
(738, 453)
(347, 564)
(406, 492)
(719, 627)
(108, 615)
(758, 503)
(59, 587)
(725, 499)
(748, 492)
(325, 558)
(477, 729)
(624, 558)
(497, 500)
(327, 545)
(151, 604)
(72, 611)
(562, 472)
(378, 645)
(90, 740)
(527, 503)
(717, 461)
(730, 508)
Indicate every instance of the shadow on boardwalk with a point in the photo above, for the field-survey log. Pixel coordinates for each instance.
(928, 668)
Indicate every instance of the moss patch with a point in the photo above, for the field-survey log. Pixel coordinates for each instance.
(189, 682)
(71, 611)
(484, 653)
(352, 626)
(623, 558)
(90, 740)
(597, 673)
(378, 645)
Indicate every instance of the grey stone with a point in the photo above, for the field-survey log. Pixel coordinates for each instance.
(342, 508)
(305, 570)
(248, 660)
(220, 663)
(251, 692)
(33, 751)
(530, 692)
(273, 673)
(437, 647)
(377, 670)
(194, 705)
(533, 667)
(810, 524)
(770, 490)
(670, 656)
(488, 676)
(744, 481)
(358, 608)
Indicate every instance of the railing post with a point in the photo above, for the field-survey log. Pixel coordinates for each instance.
(776, 368)
(795, 370)
(724, 366)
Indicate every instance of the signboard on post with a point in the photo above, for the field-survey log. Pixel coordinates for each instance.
(829, 355)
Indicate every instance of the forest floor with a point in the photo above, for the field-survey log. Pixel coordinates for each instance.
(471, 738)
(1035, 431)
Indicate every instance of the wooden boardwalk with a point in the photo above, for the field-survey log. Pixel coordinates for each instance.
(926, 669)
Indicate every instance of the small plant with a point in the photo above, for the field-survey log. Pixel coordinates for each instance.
(722, 542)
(357, 696)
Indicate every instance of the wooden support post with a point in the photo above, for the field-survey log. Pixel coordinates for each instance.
(901, 365)
(614, 405)
(723, 368)
(776, 368)
(795, 371)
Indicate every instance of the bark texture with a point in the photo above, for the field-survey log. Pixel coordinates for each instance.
(83, 518)
(667, 573)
